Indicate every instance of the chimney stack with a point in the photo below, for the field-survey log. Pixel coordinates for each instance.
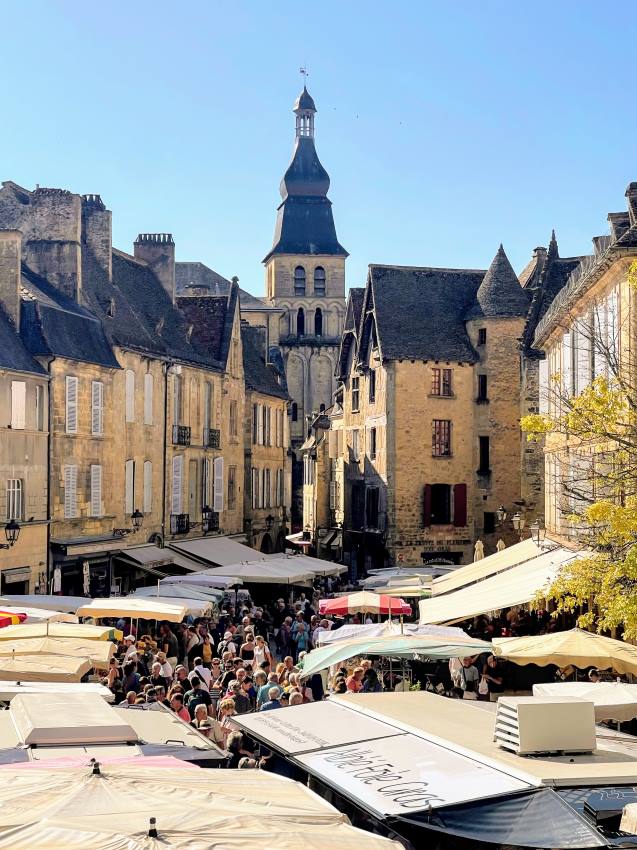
(10, 273)
(97, 232)
(631, 194)
(158, 250)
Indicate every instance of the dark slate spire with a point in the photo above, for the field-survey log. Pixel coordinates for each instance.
(304, 222)
(500, 293)
(553, 251)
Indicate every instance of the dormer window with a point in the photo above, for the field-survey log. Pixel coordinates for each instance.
(319, 281)
(299, 280)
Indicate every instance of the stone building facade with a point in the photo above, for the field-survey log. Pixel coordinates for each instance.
(587, 332)
(430, 377)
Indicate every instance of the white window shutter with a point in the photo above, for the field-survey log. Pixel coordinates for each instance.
(600, 351)
(613, 330)
(177, 484)
(71, 404)
(129, 498)
(259, 425)
(96, 490)
(148, 486)
(543, 386)
(148, 399)
(70, 494)
(18, 404)
(333, 495)
(567, 363)
(97, 408)
(130, 395)
(286, 431)
(218, 491)
(583, 358)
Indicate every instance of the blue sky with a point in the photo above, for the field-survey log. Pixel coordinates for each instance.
(446, 128)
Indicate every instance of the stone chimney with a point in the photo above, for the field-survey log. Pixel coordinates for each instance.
(97, 232)
(10, 273)
(158, 250)
(631, 194)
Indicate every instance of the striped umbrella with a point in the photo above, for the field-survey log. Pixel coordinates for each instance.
(364, 602)
(8, 618)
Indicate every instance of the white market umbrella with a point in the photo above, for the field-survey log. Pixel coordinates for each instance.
(201, 580)
(134, 607)
(265, 572)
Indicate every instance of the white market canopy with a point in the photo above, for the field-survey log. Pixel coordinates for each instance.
(134, 607)
(43, 668)
(517, 585)
(612, 700)
(83, 631)
(479, 570)
(98, 652)
(317, 565)
(267, 572)
(200, 580)
(64, 809)
(66, 604)
(9, 690)
(389, 627)
(39, 615)
(217, 551)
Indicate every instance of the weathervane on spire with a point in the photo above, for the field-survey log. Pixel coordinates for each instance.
(304, 73)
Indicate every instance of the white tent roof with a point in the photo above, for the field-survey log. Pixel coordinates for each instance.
(267, 572)
(81, 719)
(612, 700)
(8, 690)
(200, 580)
(67, 604)
(318, 566)
(39, 615)
(492, 564)
(129, 606)
(349, 632)
(515, 586)
(217, 550)
(158, 559)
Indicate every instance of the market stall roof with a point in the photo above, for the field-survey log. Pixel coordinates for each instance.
(127, 606)
(66, 604)
(460, 726)
(217, 551)
(395, 646)
(388, 627)
(317, 565)
(8, 690)
(409, 591)
(364, 601)
(177, 592)
(39, 615)
(612, 700)
(519, 553)
(266, 572)
(83, 631)
(82, 719)
(96, 651)
(194, 607)
(75, 809)
(515, 586)
(576, 647)
(159, 560)
(201, 580)
(43, 668)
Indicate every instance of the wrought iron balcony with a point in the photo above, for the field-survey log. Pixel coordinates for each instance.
(211, 523)
(211, 438)
(179, 523)
(181, 435)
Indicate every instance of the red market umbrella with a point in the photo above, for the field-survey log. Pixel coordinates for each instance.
(10, 619)
(364, 602)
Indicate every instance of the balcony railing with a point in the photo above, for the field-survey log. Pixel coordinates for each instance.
(181, 435)
(211, 438)
(211, 524)
(179, 523)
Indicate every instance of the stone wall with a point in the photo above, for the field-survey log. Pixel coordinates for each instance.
(531, 452)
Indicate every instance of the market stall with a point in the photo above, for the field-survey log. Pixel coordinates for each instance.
(612, 700)
(135, 608)
(364, 602)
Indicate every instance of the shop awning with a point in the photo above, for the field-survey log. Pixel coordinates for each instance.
(492, 564)
(515, 586)
(92, 545)
(217, 551)
(159, 561)
(16, 574)
(147, 609)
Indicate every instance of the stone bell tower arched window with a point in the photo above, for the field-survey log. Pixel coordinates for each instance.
(299, 280)
(300, 321)
(318, 322)
(319, 281)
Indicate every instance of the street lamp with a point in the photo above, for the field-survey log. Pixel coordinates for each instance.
(518, 523)
(11, 532)
(137, 518)
(538, 532)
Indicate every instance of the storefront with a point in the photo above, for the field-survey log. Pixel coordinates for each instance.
(82, 566)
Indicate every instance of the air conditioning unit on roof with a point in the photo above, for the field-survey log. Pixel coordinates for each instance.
(532, 725)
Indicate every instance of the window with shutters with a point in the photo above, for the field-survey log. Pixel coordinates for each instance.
(255, 424)
(97, 408)
(18, 405)
(358, 505)
(232, 488)
(255, 488)
(233, 418)
(440, 504)
(482, 336)
(355, 394)
(96, 490)
(70, 492)
(267, 488)
(130, 395)
(208, 418)
(148, 399)
(319, 281)
(299, 280)
(148, 487)
(39, 407)
(264, 425)
(355, 445)
(129, 495)
(206, 482)
(177, 485)
(582, 356)
(441, 438)
(279, 488)
(441, 382)
(372, 443)
(333, 496)
(218, 501)
(71, 404)
(15, 498)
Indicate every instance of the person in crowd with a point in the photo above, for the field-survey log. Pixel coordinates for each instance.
(202, 671)
(196, 695)
(161, 695)
(156, 677)
(241, 701)
(371, 683)
(261, 651)
(300, 639)
(131, 680)
(236, 746)
(273, 700)
(177, 705)
(263, 694)
(355, 681)
(169, 644)
(296, 698)
(166, 669)
(466, 679)
(246, 652)
(130, 649)
(114, 673)
(493, 676)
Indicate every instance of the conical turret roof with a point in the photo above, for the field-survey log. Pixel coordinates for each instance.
(500, 293)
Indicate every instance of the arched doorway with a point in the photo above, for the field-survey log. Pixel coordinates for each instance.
(266, 544)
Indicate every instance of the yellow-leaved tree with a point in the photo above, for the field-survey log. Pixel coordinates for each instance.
(590, 434)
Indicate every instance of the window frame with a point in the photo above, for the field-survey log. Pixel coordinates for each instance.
(15, 496)
(373, 446)
(300, 280)
(97, 408)
(355, 394)
(372, 385)
(320, 277)
(441, 438)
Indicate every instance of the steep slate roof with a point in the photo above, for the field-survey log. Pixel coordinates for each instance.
(13, 353)
(54, 324)
(199, 275)
(212, 319)
(258, 376)
(500, 293)
(304, 101)
(419, 312)
(353, 311)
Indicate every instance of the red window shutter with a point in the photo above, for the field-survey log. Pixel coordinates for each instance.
(427, 506)
(460, 504)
